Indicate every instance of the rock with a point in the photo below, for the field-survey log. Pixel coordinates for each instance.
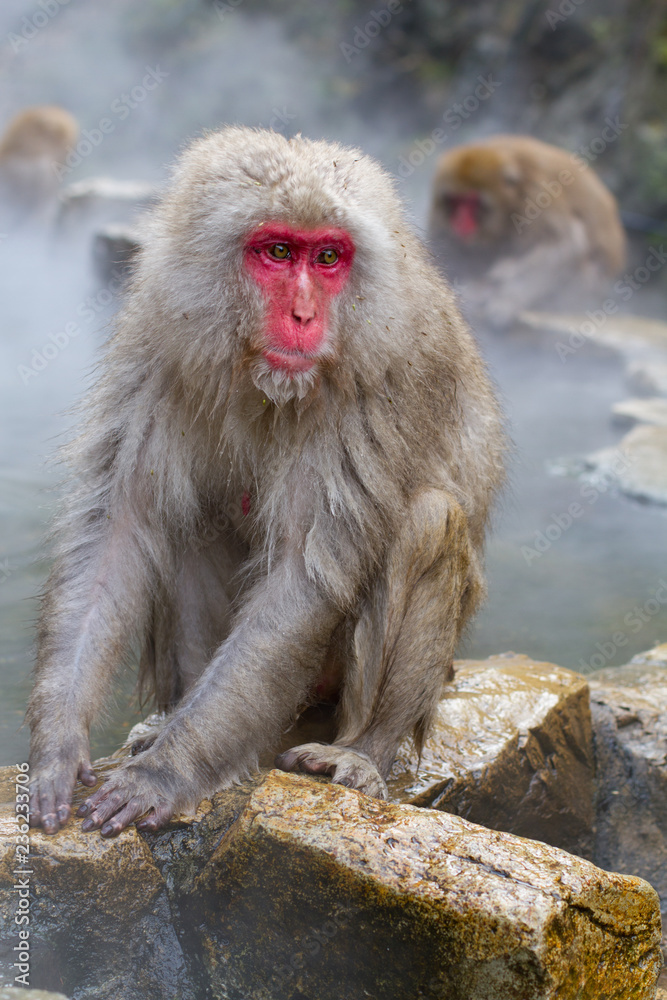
(637, 465)
(648, 378)
(653, 657)
(629, 706)
(18, 993)
(511, 748)
(290, 887)
(100, 923)
(317, 890)
(114, 249)
(640, 411)
(91, 204)
(632, 336)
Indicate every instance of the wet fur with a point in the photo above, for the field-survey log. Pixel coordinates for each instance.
(369, 483)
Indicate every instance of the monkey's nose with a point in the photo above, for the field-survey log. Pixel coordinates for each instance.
(303, 311)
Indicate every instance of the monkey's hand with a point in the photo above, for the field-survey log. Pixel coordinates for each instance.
(52, 781)
(345, 765)
(129, 793)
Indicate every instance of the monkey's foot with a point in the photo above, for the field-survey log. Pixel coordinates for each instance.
(125, 797)
(142, 736)
(345, 766)
(51, 792)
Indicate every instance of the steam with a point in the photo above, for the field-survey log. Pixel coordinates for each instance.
(144, 78)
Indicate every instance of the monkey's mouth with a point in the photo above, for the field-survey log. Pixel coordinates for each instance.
(288, 361)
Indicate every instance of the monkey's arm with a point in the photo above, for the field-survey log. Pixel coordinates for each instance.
(245, 698)
(96, 604)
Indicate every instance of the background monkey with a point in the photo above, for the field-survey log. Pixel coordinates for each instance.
(32, 148)
(283, 483)
(524, 225)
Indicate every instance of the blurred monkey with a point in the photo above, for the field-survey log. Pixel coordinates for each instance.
(32, 149)
(522, 224)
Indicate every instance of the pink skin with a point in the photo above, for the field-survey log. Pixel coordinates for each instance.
(298, 289)
(464, 217)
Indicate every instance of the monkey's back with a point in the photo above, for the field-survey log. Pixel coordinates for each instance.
(585, 197)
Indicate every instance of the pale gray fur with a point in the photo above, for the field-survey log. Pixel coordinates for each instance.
(186, 418)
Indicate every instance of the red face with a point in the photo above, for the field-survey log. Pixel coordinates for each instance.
(300, 272)
(464, 212)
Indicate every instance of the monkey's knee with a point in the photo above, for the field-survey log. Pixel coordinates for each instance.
(435, 528)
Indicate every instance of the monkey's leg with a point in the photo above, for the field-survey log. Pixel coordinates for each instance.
(246, 697)
(404, 645)
(190, 619)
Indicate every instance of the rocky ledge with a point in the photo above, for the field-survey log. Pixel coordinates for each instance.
(289, 887)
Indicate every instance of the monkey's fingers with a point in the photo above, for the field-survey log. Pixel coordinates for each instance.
(345, 765)
(110, 822)
(123, 818)
(114, 807)
(43, 808)
(50, 802)
(101, 806)
(86, 774)
(157, 817)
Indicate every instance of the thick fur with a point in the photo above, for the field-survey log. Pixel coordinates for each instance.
(566, 252)
(369, 486)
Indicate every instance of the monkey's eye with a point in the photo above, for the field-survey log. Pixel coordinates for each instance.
(328, 256)
(280, 251)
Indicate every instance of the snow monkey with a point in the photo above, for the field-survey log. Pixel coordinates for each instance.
(282, 486)
(32, 149)
(526, 224)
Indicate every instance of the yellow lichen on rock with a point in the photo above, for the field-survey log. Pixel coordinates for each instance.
(511, 748)
(415, 900)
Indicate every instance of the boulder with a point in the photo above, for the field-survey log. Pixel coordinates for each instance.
(99, 201)
(634, 337)
(100, 922)
(317, 890)
(289, 887)
(637, 465)
(640, 411)
(18, 993)
(511, 748)
(648, 378)
(629, 706)
(114, 251)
